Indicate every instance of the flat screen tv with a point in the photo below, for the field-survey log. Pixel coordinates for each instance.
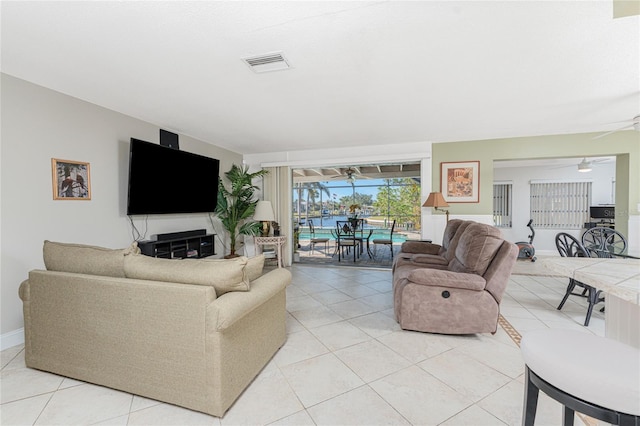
(164, 180)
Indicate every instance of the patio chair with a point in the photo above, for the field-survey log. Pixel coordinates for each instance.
(385, 241)
(604, 242)
(365, 240)
(345, 238)
(313, 240)
(360, 233)
(569, 246)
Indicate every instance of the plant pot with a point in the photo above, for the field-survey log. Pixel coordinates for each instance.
(231, 256)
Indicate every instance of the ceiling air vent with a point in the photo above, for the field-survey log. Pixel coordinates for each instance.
(268, 62)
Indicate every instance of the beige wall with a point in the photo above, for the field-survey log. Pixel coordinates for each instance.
(39, 124)
(625, 145)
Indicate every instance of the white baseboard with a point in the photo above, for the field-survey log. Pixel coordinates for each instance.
(11, 339)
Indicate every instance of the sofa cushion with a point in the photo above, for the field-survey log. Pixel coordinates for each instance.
(450, 232)
(452, 244)
(254, 267)
(477, 246)
(223, 274)
(85, 259)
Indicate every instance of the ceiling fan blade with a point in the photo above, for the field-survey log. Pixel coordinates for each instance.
(613, 131)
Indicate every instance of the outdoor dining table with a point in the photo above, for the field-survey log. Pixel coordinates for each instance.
(356, 230)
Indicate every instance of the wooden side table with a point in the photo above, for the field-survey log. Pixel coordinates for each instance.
(271, 241)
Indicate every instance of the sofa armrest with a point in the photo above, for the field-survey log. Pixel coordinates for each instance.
(231, 307)
(420, 247)
(440, 278)
(23, 291)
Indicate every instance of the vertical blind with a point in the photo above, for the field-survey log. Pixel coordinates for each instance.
(560, 204)
(502, 204)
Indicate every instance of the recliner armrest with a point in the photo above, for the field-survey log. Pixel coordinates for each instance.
(441, 278)
(420, 247)
(429, 259)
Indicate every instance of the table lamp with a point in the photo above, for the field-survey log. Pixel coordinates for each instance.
(264, 214)
(436, 200)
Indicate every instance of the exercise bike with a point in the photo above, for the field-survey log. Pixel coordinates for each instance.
(526, 250)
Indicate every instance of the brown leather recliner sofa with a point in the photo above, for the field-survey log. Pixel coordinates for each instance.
(455, 287)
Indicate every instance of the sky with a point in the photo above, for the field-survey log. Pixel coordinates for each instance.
(342, 188)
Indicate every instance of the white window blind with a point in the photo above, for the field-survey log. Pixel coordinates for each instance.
(560, 204)
(502, 204)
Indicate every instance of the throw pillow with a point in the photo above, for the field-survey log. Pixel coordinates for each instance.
(85, 259)
(254, 267)
(223, 274)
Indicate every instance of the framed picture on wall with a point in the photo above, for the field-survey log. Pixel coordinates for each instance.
(460, 182)
(71, 180)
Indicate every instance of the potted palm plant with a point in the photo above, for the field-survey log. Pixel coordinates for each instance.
(237, 204)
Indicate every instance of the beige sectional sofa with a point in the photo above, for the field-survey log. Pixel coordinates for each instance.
(455, 287)
(188, 332)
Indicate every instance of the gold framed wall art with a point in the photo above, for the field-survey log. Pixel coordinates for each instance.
(460, 182)
(71, 180)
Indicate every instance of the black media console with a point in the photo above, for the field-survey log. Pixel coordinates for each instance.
(179, 248)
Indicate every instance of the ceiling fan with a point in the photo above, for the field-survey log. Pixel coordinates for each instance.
(350, 175)
(584, 165)
(633, 123)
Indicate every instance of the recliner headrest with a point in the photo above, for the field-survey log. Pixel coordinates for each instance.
(476, 249)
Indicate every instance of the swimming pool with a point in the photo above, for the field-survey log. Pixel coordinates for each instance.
(379, 233)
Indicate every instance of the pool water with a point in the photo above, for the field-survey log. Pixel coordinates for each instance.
(326, 233)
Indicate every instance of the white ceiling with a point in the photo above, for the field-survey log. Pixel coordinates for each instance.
(551, 163)
(364, 73)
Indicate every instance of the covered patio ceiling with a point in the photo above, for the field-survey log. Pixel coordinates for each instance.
(366, 171)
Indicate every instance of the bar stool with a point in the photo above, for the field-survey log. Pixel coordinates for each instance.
(593, 375)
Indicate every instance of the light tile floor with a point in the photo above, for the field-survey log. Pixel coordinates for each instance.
(345, 362)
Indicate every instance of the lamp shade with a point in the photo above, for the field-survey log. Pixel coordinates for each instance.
(435, 199)
(264, 212)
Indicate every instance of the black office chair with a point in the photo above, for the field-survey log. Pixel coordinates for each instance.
(313, 240)
(569, 246)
